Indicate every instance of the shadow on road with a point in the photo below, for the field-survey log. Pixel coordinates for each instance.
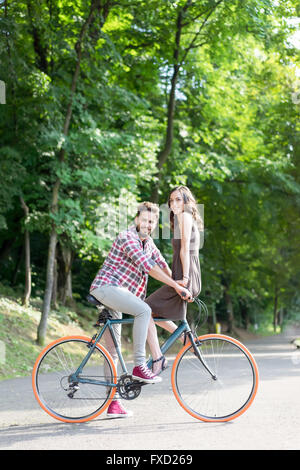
(20, 434)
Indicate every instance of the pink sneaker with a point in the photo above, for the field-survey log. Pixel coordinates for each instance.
(144, 374)
(117, 410)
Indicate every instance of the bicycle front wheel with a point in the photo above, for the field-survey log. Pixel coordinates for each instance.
(59, 394)
(220, 388)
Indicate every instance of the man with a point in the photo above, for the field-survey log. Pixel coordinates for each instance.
(121, 285)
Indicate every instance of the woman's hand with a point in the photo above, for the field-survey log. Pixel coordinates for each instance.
(183, 292)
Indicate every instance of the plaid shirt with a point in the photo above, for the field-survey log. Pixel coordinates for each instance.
(129, 262)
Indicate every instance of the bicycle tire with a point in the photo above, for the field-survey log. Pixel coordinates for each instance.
(227, 396)
(50, 380)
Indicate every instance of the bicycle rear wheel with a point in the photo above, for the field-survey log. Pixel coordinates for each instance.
(228, 391)
(58, 394)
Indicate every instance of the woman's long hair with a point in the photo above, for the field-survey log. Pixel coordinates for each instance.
(190, 206)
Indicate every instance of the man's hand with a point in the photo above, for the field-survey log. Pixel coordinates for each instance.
(157, 273)
(182, 282)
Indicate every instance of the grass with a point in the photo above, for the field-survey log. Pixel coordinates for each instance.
(18, 327)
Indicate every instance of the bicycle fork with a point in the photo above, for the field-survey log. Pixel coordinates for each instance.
(198, 353)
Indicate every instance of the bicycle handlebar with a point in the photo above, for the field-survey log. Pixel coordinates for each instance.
(183, 295)
(202, 309)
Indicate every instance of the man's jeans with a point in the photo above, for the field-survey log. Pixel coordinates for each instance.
(120, 300)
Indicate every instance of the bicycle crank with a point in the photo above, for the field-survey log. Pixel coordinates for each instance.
(128, 388)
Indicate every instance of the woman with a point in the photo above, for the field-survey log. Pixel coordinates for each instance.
(165, 302)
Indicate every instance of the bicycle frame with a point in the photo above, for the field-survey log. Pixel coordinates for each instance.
(182, 327)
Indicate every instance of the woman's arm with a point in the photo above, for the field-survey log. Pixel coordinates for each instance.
(162, 276)
(185, 225)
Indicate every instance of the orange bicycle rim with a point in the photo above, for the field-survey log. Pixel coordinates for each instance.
(36, 365)
(195, 415)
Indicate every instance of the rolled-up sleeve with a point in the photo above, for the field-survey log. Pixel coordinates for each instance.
(135, 252)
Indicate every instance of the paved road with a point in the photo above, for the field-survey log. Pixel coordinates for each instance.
(159, 423)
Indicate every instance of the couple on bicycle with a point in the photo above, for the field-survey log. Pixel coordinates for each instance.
(121, 282)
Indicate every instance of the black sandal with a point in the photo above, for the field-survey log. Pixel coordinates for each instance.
(164, 364)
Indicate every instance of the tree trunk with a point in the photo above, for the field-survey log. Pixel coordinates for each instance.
(181, 22)
(54, 288)
(95, 5)
(65, 260)
(27, 292)
(214, 318)
(42, 328)
(166, 150)
(275, 309)
(244, 314)
(280, 318)
(229, 310)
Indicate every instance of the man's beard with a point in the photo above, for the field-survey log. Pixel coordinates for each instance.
(146, 233)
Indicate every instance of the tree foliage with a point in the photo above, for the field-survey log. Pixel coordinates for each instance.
(111, 102)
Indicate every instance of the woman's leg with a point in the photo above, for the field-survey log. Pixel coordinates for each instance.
(153, 342)
(169, 326)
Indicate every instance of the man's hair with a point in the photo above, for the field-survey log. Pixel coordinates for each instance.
(147, 206)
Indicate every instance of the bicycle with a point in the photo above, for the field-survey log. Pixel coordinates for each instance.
(214, 377)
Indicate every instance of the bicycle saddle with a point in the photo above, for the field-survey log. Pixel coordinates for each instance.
(92, 300)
